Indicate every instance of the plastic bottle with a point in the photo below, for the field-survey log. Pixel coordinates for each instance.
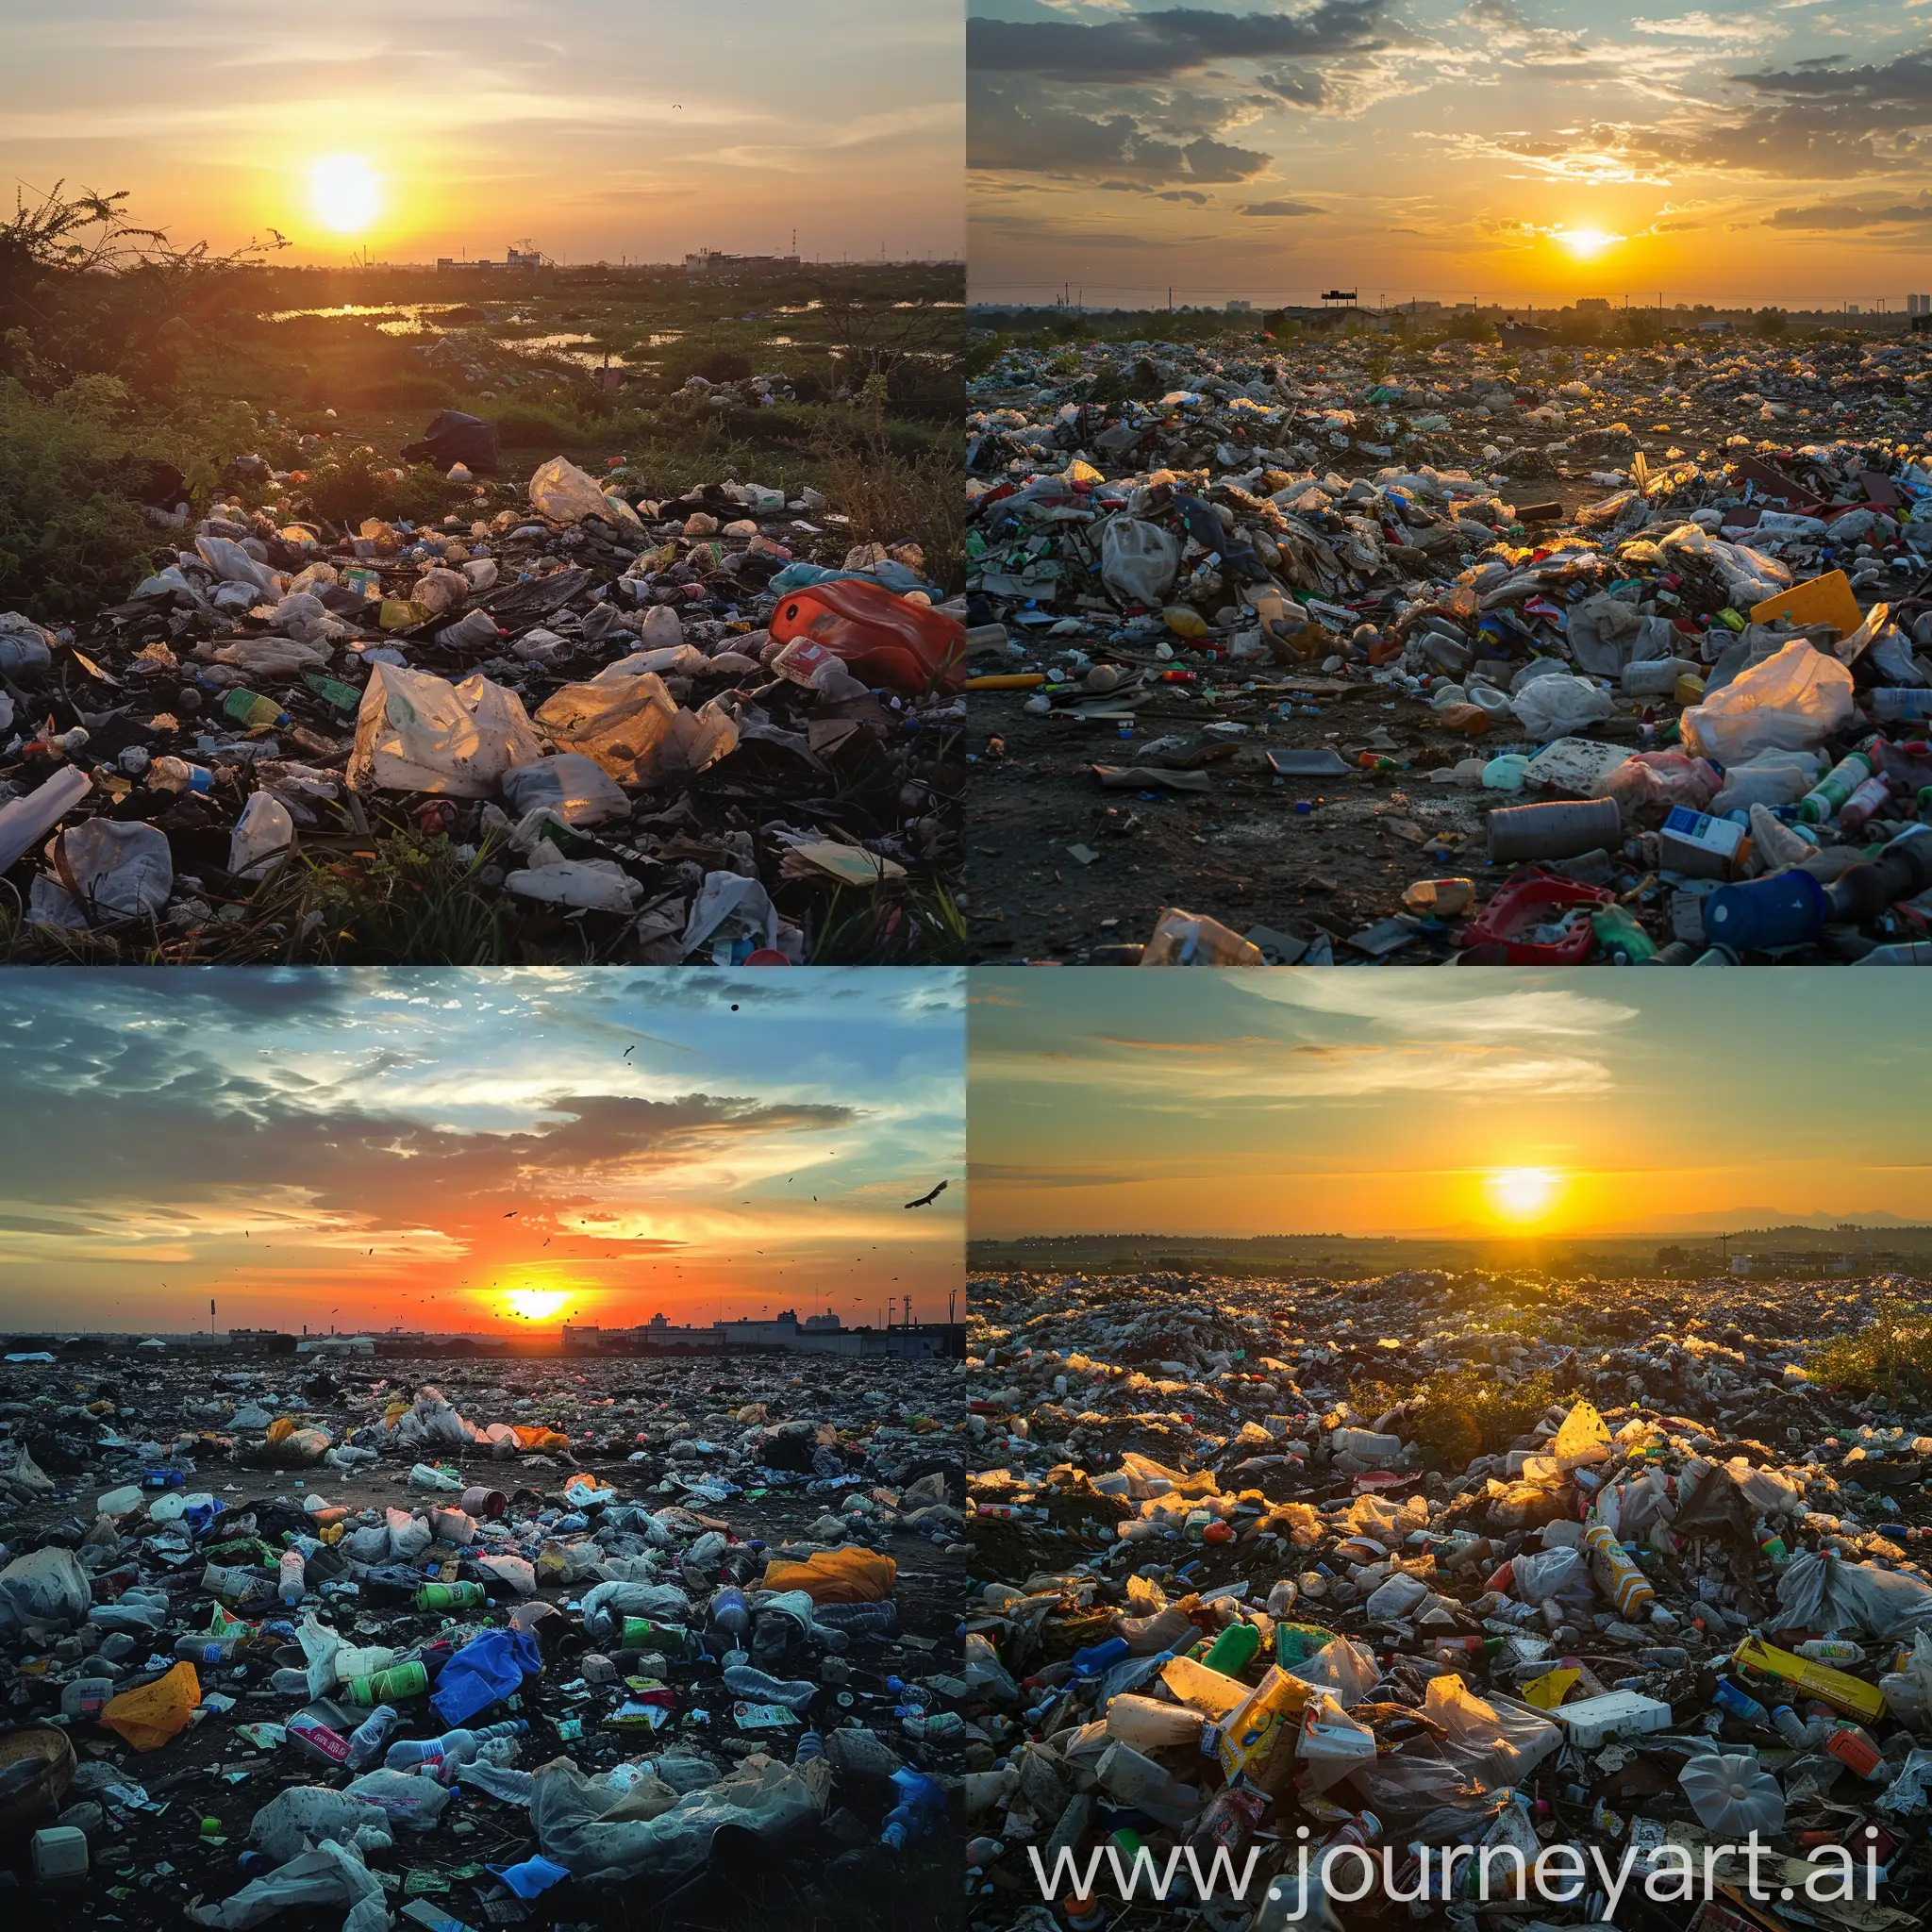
(1831, 1650)
(379, 1687)
(1854, 1748)
(1793, 1728)
(857, 1620)
(920, 1811)
(320, 1739)
(759, 1687)
(170, 774)
(1835, 788)
(367, 1740)
(214, 1649)
(1865, 804)
(646, 1633)
(84, 1697)
(450, 1596)
(24, 821)
(294, 1584)
(251, 710)
(730, 1611)
(1740, 1703)
(1617, 1575)
(1898, 700)
(810, 1745)
(1623, 942)
(453, 1748)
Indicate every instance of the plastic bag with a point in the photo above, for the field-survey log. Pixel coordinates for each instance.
(1496, 1743)
(1331, 1744)
(578, 790)
(850, 1574)
(567, 494)
(596, 885)
(1648, 783)
(729, 907)
(637, 731)
(419, 733)
(45, 1587)
(404, 1797)
(1605, 634)
(263, 835)
(1821, 1591)
(484, 1672)
(120, 868)
(1791, 702)
(1907, 1690)
(1732, 1796)
(312, 1812)
(332, 1874)
(154, 1714)
(1559, 707)
(1137, 562)
(580, 1822)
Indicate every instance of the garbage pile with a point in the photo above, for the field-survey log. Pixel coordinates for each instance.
(678, 1631)
(1254, 1570)
(661, 722)
(1368, 667)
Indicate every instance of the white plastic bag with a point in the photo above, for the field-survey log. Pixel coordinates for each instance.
(576, 788)
(45, 1587)
(729, 907)
(584, 885)
(1556, 705)
(1791, 702)
(1137, 562)
(419, 733)
(123, 868)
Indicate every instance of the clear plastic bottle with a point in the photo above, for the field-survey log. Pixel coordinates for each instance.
(745, 1680)
(450, 1749)
(367, 1740)
(295, 1583)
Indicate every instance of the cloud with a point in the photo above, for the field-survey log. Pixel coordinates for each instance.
(1162, 46)
(1839, 216)
(1282, 208)
(1016, 131)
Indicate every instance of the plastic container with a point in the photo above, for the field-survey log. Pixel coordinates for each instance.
(1537, 900)
(59, 1855)
(367, 1740)
(1562, 830)
(451, 1596)
(1760, 915)
(24, 821)
(1832, 791)
(881, 638)
(380, 1687)
(1616, 1575)
(251, 710)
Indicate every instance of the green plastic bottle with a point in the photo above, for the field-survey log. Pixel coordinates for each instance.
(450, 1596)
(1623, 942)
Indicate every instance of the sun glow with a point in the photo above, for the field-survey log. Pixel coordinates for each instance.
(536, 1303)
(1585, 243)
(1523, 1194)
(343, 192)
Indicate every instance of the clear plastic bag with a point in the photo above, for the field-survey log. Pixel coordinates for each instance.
(637, 731)
(1137, 561)
(419, 733)
(566, 494)
(1559, 707)
(1791, 702)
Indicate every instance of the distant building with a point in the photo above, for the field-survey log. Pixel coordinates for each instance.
(817, 1334)
(1240, 308)
(1919, 305)
(714, 261)
(1740, 1264)
(1592, 302)
(524, 257)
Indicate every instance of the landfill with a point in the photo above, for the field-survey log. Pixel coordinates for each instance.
(1606, 1570)
(316, 1638)
(705, 729)
(1365, 650)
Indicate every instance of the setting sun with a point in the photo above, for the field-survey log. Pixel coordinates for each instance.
(1585, 243)
(536, 1303)
(1523, 1194)
(343, 192)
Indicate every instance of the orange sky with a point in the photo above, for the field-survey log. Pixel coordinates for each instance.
(453, 1150)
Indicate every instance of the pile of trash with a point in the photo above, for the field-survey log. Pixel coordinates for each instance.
(1452, 665)
(1255, 1572)
(688, 1629)
(663, 718)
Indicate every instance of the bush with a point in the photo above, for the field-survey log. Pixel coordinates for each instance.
(1890, 1356)
(71, 534)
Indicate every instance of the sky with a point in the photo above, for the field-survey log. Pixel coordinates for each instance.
(477, 1151)
(1360, 1103)
(1514, 151)
(595, 128)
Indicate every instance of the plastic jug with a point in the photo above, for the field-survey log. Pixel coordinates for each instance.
(884, 640)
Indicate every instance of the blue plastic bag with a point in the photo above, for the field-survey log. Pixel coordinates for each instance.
(533, 1876)
(484, 1673)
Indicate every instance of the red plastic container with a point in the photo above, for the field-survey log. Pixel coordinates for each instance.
(908, 648)
(1535, 901)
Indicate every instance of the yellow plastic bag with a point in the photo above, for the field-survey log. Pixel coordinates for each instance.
(281, 1429)
(849, 1576)
(1583, 1430)
(156, 1713)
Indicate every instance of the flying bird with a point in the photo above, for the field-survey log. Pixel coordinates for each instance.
(926, 1200)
